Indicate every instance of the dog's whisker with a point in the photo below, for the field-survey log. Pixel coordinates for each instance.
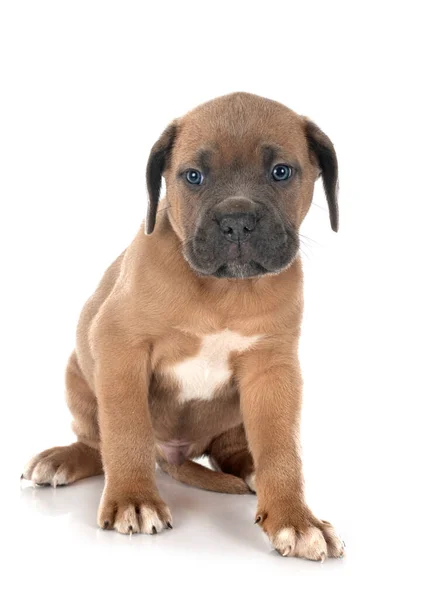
(306, 249)
(304, 253)
(309, 242)
(305, 237)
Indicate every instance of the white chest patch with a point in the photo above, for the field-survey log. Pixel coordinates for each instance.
(200, 376)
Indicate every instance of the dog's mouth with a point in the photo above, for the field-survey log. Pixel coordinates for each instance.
(262, 255)
(237, 270)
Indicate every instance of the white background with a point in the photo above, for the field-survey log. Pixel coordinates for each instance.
(86, 88)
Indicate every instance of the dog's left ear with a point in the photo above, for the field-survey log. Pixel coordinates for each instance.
(157, 163)
(324, 154)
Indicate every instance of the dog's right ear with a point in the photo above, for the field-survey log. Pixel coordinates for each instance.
(157, 163)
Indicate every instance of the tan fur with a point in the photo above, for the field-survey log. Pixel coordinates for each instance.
(150, 313)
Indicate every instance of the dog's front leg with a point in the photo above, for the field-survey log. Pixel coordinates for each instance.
(130, 501)
(270, 387)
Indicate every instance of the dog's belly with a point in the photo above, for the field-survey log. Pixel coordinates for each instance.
(175, 451)
(186, 430)
(201, 376)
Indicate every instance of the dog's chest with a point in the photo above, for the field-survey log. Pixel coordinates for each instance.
(201, 376)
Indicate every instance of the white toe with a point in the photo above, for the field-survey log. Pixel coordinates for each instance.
(43, 473)
(128, 521)
(285, 541)
(312, 545)
(150, 521)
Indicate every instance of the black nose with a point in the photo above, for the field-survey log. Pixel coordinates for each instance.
(237, 227)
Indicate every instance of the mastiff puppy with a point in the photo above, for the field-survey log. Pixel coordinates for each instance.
(189, 346)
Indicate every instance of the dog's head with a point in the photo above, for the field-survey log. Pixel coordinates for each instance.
(240, 173)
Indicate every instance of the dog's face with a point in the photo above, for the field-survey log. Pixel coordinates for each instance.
(240, 173)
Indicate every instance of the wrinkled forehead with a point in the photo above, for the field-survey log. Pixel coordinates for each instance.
(223, 136)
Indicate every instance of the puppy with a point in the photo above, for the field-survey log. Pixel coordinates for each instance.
(189, 346)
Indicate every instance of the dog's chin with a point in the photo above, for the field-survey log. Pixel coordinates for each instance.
(238, 269)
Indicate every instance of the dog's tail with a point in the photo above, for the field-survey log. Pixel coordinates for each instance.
(197, 475)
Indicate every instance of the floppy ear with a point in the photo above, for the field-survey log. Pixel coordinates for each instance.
(157, 163)
(324, 152)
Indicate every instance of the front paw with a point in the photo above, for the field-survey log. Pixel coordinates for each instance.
(298, 533)
(133, 512)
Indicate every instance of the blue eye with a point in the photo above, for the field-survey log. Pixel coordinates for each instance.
(281, 172)
(194, 177)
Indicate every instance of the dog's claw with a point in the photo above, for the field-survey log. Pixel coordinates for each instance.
(257, 520)
(287, 551)
(154, 530)
(169, 525)
(322, 557)
(105, 524)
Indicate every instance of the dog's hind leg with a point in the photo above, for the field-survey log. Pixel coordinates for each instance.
(231, 459)
(65, 464)
(230, 454)
(197, 475)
